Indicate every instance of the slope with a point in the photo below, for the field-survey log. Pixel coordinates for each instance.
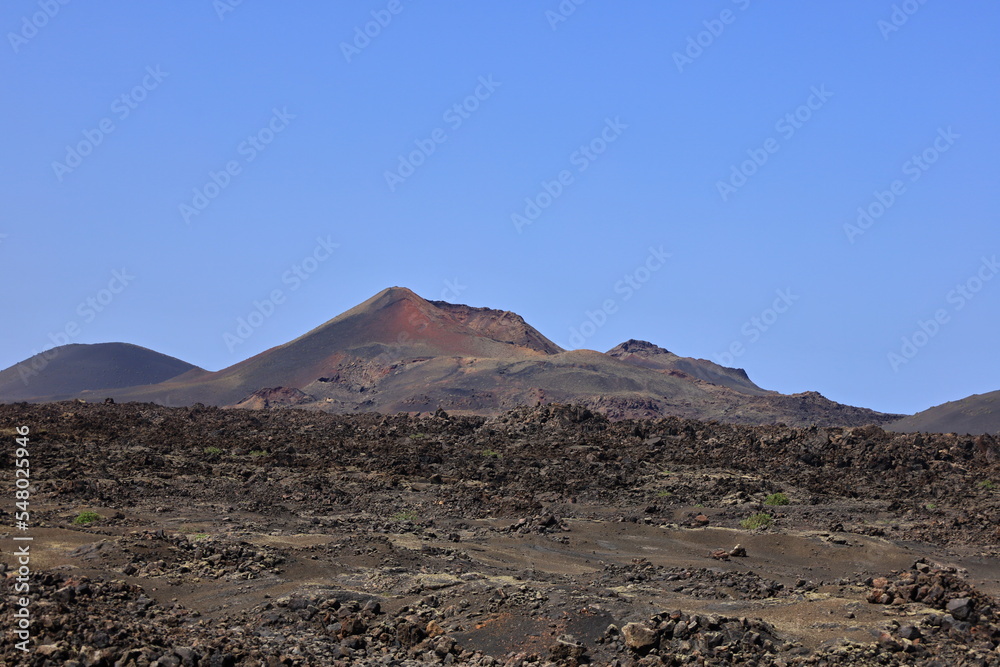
(646, 355)
(975, 415)
(359, 347)
(68, 370)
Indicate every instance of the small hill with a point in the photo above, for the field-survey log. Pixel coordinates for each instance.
(646, 355)
(973, 415)
(66, 371)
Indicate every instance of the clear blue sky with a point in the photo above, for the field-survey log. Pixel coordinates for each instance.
(310, 128)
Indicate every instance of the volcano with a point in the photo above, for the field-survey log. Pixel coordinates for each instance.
(66, 371)
(398, 352)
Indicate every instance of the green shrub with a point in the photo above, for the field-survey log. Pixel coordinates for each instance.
(663, 494)
(776, 499)
(491, 453)
(84, 518)
(257, 453)
(212, 450)
(987, 484)
(404, 516)
(757, 521)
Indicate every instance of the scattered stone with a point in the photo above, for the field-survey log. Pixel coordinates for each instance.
(960, 608)
(344, 503)
(639, 637)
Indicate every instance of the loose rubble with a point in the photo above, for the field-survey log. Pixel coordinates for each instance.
(544, 536)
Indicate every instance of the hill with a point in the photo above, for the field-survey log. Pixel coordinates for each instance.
(68, 370)
(398, 352)
(976, 414)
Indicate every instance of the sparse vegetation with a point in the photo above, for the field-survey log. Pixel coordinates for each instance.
(663, 493)
(776, 499)
(418, 436)
(405, 516)
(757, 521)
(85, 518)
(931, 506)
(193, 534)
(257, 453)
(491, 453)
(213, 450)
(987, 485)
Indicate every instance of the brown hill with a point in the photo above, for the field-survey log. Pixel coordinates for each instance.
(68, 370)
(647, 355)
(974, 415)
(399, 352)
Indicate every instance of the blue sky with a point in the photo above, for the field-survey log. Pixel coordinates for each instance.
(685, 173)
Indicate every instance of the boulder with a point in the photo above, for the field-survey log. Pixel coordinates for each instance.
(639, 637)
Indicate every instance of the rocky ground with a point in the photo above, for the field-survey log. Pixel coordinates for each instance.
(543, 536)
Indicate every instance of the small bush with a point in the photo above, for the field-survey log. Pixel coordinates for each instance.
(663, 494)
(404, 516)
(757, 521)
(257, 453)
(776, 499)
(987, 484)
(212, 450)
(491, 453)
(84, 518)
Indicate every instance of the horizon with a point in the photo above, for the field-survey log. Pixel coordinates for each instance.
(250, 325)
(728, 182)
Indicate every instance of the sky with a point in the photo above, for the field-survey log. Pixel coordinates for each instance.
(807, 191)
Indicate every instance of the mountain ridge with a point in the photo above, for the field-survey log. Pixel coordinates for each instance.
(398, 352)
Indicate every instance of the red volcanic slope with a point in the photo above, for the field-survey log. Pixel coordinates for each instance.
(393, 324)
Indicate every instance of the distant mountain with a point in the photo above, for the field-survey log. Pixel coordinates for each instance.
(399, 352)
(974, 415)
(68, 370)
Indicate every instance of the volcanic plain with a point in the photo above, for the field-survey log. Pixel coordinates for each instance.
(540, 535)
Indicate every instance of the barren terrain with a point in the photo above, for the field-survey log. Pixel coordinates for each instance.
(546, 535)
(397, 352)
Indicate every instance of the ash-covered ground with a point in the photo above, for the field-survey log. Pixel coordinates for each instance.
(547, 535)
